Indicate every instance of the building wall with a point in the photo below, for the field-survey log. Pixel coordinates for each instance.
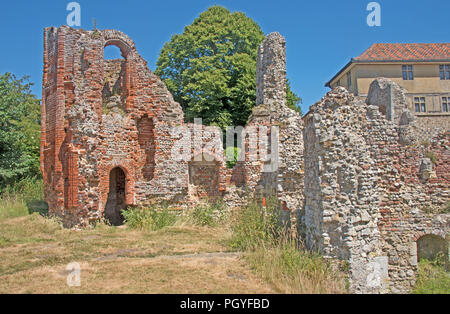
(368, 198)
(426, 83)
(85, 135)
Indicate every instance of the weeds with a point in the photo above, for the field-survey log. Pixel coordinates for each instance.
(432, 156)
(432, 278)
(22, 198)
(255, 225)
(149, 219)
(277, 257)
(210, 215)
(291, 269)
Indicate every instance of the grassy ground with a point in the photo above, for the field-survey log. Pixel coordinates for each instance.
(204, 252)
(432, 278)
(155, 252)
(179, 259)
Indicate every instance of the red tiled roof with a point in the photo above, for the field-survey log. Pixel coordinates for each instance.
(406, 52)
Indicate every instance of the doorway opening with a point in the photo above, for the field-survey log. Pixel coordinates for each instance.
(116, 197)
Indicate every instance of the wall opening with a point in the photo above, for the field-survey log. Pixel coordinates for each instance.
(432, 247)
(116, 197)
(114, 91)
(146, 138)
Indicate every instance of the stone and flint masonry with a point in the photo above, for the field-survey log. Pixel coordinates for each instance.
(360, 181)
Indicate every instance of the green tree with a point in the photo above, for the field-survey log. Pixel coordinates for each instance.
(19, 130)
(211, 67)
(292, 100)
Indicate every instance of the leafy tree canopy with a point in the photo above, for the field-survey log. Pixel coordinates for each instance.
(19, 130)
(210, 68)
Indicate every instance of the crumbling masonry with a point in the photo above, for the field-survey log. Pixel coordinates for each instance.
(361, 182)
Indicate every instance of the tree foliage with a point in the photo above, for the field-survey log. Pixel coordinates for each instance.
(19, 130)
(210, 68)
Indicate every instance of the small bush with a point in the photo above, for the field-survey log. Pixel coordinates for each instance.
(150, 219)
(22, 198)
(255, 225)
(432, 278)
(209, 215)
(291, 269)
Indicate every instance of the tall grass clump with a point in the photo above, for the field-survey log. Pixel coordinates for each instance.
(149, 219)
(22, 198)
(278, 257)
(209, 215)
(255, 225)
(433, 278)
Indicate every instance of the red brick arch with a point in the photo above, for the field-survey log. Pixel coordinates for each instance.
(125, 49)
(129, 184)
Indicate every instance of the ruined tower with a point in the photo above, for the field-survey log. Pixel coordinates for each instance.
(105, 128)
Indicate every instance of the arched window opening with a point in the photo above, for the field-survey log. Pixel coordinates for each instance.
(432, 247)
(114, 80)
(116, 197)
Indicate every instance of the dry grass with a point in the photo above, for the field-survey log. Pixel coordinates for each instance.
(293, 271)
(180, 258)
(34, 253)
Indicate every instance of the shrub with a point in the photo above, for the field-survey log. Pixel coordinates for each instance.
(209, 215)
(232, 156)
(255, 225)
(150, 219)
(23, 198)
(432, 278)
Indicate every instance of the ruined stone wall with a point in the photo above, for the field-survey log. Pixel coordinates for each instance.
(362, 182)
(365, 200)
(279, 173)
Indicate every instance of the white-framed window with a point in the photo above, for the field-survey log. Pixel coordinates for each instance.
(408, 72)
(444, 71)
(420, 104)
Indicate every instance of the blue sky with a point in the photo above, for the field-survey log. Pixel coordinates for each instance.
(321, 36)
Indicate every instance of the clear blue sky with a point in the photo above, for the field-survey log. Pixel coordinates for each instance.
(322, 36)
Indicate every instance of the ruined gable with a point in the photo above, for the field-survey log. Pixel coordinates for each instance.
(100, 115)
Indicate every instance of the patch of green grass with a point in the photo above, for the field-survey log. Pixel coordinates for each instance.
(149, 219)
(255, 225)
(22, 198)
(291, 269)
(277, 257)
(210, 215)
(432, 278)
